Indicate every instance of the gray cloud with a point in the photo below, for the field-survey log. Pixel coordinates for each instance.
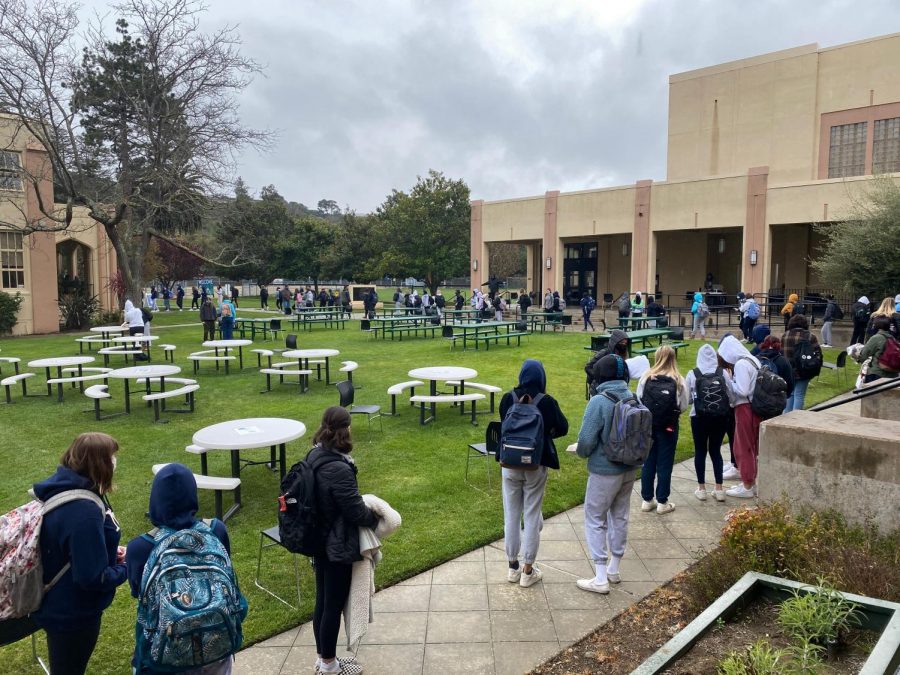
(515, 97)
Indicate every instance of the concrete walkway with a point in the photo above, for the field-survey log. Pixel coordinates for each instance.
(464, 617)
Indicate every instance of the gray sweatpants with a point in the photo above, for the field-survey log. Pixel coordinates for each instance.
(523, 494)
(607, 504)
(826, 333)
(699, 326)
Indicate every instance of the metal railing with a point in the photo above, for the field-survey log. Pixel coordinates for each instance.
(859, 393)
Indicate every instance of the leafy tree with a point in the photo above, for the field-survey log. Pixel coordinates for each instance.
(329, 207)
(425, 233)
(506, 259)
(356, 245)
(303, 253)
(9, 311)
(859, 254)
(172, 263)
(137, 130)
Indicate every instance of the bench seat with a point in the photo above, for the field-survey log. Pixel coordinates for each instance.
(444, 398)
(489, 388)
(74, 379)
(197, 357)
(187, 391)
(396, 389)
(218, 484)
(499, 336)
(9, 381)
(301, 373)
(97, 393)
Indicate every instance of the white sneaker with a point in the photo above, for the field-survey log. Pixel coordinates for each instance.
(668, 507)
(530, 579)
(827, 347)
(648, 506)
(700, 493)
(719, 495)
(513, 575)
(731, 474)
(614, 577)
(741, 492)
(727, 466)
(592, 586)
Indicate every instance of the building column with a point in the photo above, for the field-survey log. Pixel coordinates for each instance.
(756, 235)
(478, 259)
(42, 247)
(640, 239)
(551, 277)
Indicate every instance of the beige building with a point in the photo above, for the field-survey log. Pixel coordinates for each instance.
(758, 150)
(43, 265)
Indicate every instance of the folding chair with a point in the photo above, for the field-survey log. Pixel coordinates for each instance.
(274, 538)
(490, 447)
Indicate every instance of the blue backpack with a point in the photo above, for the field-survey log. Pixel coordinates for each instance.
(753, 311)
(190, 608)
(522, 435)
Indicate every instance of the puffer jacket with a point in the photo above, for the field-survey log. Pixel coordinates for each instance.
(341, 507)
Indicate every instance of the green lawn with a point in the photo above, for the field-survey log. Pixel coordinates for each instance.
(418, 470)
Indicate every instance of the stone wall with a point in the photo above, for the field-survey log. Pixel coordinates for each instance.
(883, 406)
(829, 460)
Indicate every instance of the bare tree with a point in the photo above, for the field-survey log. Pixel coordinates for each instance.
(137, 129)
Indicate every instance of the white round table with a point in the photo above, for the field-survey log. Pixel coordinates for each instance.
(305, 355)
(245, 434)
(435, 374)
(147, 372)
(230, 344)
(59, 363)
(134, 340)
(105, 331)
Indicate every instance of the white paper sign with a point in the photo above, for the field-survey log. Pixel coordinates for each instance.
(245, 431)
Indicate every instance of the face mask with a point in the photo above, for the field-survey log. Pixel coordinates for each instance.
(114, 462)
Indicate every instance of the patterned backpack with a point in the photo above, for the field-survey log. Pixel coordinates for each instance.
(190, 608)
(21, 573)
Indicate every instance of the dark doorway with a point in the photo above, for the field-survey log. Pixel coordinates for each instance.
(579, 271)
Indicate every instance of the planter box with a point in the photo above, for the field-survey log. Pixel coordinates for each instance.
(876, 615)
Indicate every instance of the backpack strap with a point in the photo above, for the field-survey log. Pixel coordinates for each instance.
(58, 500)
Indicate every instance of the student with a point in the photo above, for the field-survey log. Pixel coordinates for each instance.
(524, 302)
(874, 350)
(771, 355)
(82, 534)
(548, 301)
(440, 302)
(220, 295)
(398, 298)
(617, 344)
(663, 391)
(587, 306)
(711, 397)
(179, 298)
(134, 319)
(346, 302)
(798, 331)
(523, 489)
(655, 311)
(789, 308)
(458, 300)
(886, 308)
(228, 302)
(208, 317)
(263, 298)
(226, 322)
(173, 505)
(167, 295)
(278, 297)
(637, 305)
(759, 333)
(833, 311)
(750, 315)
(697, 311)
(342, 512)
(624, 306)
(557, 304)
(744, 368)
(607, 498)
(195, 298)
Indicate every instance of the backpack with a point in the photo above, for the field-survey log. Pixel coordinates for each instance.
(562, 304)
(625, 306)
(770, 391)
(838, 312)
(298, 520)
(861, 313)
(753, 311)
(890, 356)
(522, 434)
(21, 572)
(631, 435)
(799, 308)
(190, 608)
(660, 397)
(702, 310)
(147, 314)
(807, 360)
(591, 303)
(710, 394)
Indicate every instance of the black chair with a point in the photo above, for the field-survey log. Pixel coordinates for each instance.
(13, 630)
(346, 391)
(447, 331)
(521, 326)
(290, 341)
(608, 299)
(677, 334)
(839, 366)
(274, 538)
(275, 327)
(486, 450)
(365, 324)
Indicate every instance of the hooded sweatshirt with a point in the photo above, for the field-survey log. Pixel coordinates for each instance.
(79, 533)
(707, 363)
(173, 503)
(133, 315)
(533, 381)
(744, 371)
(789, 305)
(698, 298)
(615, 337)
(595, 427)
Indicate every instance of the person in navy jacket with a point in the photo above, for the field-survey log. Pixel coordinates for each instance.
(79, 533)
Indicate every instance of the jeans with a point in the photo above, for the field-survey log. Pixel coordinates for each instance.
(332, 589)
(708, 433)
(209, 330)
(749, 325)
(859, 332)
(659, 465)
(798, 396)
(746, 441)
(699, 326)
(70, 651)
(607, 505)
(523, 495)
(586, 315)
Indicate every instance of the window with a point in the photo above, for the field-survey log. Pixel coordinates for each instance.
(847, 153)
(886, 146)
(10, 171)
(12, 263)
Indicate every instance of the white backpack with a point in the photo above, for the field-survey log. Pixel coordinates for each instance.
(21, 572)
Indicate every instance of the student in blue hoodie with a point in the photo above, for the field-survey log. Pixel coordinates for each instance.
(523, 489)
(699, 325)
(174, 504)
(80, 534)
(607, 499)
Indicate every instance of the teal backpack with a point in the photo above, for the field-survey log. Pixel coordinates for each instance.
(190, 608)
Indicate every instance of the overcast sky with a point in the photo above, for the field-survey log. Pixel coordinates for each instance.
(514, 96)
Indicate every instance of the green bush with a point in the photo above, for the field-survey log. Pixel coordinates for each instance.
(77, 311)
(9, 310)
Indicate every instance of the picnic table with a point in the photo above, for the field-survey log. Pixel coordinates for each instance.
(327, 316)
(404, 324)
(304, 355)
(541, 319)
(435, 374)
(107, 331)
(230, 344)
(486, 332)
(259, 324)
(59, 363)
(460, 314)
(137, 340)
(396, 311)
(638, 322)
(249, 434)
(146, 373)
(645, 335)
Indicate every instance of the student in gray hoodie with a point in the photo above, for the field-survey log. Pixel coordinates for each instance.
(607, 499)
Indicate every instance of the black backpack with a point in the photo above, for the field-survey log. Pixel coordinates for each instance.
(147, 314)
(660, 397)
(298, 518)
(769, 392)
(799, 308)
(861, 313)
(710, 394)
(807, 360)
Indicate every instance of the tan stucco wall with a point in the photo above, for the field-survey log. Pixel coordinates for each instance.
(859, 74)
(719, 202)
(514, 220)
(596, 212)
